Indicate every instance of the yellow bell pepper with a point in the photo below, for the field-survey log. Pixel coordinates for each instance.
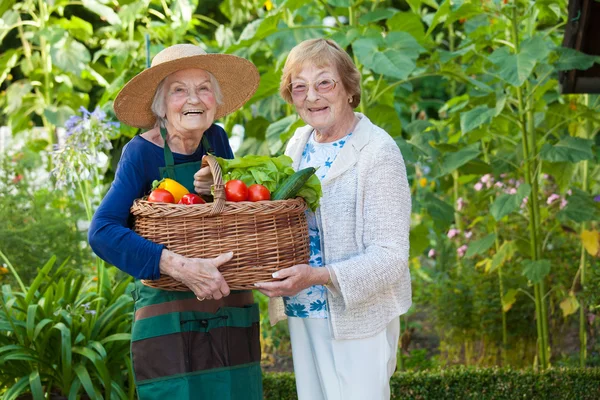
(174, 187)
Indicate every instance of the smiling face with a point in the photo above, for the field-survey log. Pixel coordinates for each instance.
(326, 110)
(190, 101)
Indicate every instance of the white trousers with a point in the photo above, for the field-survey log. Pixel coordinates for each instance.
(329, 369)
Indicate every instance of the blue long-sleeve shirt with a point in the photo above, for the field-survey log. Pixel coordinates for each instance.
(110, 234)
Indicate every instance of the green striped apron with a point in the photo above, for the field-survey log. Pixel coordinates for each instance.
(183, 348)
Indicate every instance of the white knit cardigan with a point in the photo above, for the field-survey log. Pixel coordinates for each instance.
(364, 219)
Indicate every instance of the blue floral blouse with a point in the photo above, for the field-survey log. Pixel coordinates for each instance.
(312, 302)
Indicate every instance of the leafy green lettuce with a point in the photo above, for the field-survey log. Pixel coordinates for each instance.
(269, 172)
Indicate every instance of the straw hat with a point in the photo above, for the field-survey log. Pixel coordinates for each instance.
(237, 77)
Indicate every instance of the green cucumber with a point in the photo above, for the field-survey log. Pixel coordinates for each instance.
(292, 184)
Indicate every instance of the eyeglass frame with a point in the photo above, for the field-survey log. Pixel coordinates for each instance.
(308, 84)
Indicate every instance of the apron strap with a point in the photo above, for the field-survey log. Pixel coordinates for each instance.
(170, 161)
(169, 170)
(207, 147)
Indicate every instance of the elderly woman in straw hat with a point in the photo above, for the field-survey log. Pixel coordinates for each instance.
(343, 306)
(201, 344)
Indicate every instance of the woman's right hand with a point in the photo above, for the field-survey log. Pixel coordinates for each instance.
(201, 275)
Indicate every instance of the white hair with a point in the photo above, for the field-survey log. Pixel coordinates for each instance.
(159, 108)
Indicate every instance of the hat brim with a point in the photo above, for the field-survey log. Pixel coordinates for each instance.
(237, 77)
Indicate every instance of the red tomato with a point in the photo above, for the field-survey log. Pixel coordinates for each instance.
(258, 192)
(236, 190)
(161, 196)
(191, 198)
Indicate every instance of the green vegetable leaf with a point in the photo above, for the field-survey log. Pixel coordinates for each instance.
(269, 172)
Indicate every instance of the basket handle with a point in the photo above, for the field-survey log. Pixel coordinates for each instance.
(218, 188)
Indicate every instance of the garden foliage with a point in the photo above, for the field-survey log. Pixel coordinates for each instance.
(503, 168)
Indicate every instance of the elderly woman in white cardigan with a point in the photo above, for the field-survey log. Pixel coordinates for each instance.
(343, 308)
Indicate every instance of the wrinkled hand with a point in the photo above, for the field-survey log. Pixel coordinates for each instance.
(203, 180)
(201, 275)
(292, 280)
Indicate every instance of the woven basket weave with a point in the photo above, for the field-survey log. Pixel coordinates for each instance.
(265, 236)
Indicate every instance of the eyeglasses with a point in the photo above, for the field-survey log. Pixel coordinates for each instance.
(300, 88)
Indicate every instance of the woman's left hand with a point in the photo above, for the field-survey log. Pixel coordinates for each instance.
(293, 279)
(203, 181)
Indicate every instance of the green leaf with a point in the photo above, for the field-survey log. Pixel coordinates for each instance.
(481, 246)
(103, 11)
(65, 351)
(507, 203)
(17, 389)
(14, 95)
(70, 55)
(57, 116)
(42, 274)
(560, 172)
(581, 207)
(365, 49)
(504, 254)
(8, 61)
(439, 16)
(30, 324)
(475, 118)
(340, 3)
(509, 299)
(392, 63)
(268, 86)
(405, 43)
(439, 209)
(9, 18)
(40, 326)
(418, 240)
(573, 59)
(386, 118)
(569, 149)
(280, 131)
(35, 384)
(86, 381)
(116, 337)
(453, 161)
(536, 271)
(77, 27)
(515, 69)
(407, 22)
(376, 15)
(446, 56)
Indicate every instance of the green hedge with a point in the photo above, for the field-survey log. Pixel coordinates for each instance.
(463, 383)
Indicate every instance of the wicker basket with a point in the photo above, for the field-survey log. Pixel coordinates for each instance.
(265, 236)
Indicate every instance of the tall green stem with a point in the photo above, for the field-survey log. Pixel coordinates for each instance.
(500, 277)
(529, 142)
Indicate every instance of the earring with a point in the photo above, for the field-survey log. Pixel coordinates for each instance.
(350, 99)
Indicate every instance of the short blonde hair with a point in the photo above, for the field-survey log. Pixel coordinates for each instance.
(159, 108)
(321, 53)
